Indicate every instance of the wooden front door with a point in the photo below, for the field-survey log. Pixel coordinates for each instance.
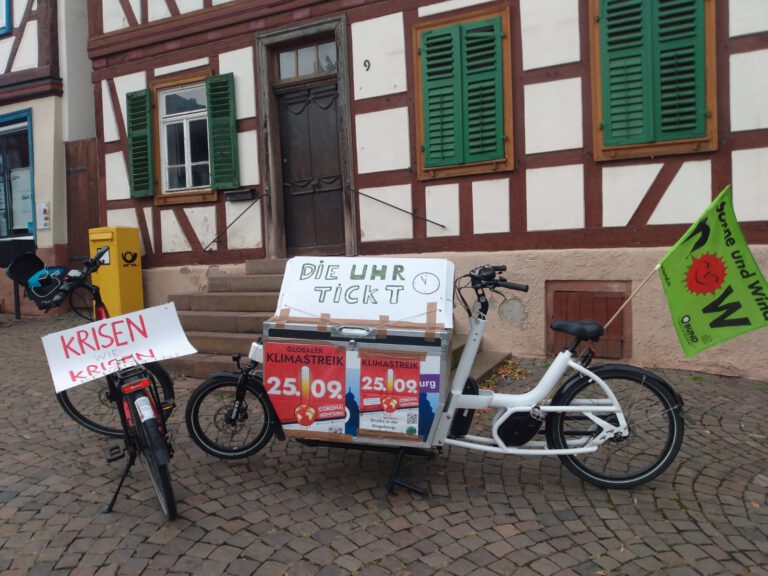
(312, 184)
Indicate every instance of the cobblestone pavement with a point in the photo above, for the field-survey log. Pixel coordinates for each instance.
(299, 510)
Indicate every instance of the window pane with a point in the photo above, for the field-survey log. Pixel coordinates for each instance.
(287, 65)
(17, 150)
(198, 140)
(201, 175)
(327, 56)
(186, 100)
(177, 178)
(174, 137)
(307, 60)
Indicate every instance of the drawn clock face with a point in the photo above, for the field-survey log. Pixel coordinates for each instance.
(426, 283)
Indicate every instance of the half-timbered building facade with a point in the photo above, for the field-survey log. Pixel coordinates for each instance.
(47, 127)
(572, 140)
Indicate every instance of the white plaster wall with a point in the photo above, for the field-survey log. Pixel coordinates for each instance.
(126, 217)
(240, 63)
(750, 184)
(553, 116)
(150, 225)
(116, 177)
(624, 187)
(123, 217)
(203, 221)
(442, 203)
(172, 235)
(5, 51)
(50, 164)
(111, 133)
(248, 157)
(112, 16)
(687, 195)
(126, 84)
(79, 112)
(381, 222)
(26, 56)
(380, 42)
(749, 90)
(555, 197)
(490, 206)
(216, 2)
(18, 11)
(747, 16)
(247, 231)
(448, 6)
(383, 141)
(550, 30)
(189, 5)
(188, 65)
(157, 10)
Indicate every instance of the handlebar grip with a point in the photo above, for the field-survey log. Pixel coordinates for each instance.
(499, 268)
(513, 286)
(100, 252)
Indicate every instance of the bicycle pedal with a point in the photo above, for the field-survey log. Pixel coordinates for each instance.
(114, 452)
(167, 406)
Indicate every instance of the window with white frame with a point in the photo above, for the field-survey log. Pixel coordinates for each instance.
(184, 138)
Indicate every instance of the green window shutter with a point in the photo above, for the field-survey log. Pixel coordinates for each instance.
(483, 119)
(680, 109)
(441, 83)
(222, 131)
(626, 71)
(140, 159)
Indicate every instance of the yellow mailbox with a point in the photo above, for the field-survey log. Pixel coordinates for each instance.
(119, 276)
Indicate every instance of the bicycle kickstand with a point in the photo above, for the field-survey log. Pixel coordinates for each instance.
(131, 460)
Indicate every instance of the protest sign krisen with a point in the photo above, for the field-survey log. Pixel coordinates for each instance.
(714, 287)
(84, 353)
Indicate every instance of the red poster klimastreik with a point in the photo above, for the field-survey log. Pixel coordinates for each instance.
(305, 382)
(388, 382)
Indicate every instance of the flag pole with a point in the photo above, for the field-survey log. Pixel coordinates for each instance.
(643, 283)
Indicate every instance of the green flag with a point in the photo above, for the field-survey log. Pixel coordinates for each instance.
(713, 284)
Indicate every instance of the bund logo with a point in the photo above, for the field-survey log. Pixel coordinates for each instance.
(129, 258)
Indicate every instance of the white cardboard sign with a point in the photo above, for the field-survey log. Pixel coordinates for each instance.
(84, 353)
(368, 289)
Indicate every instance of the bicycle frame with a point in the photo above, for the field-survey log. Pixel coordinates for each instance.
(508, 404)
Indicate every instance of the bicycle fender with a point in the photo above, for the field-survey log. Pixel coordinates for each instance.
(258, 381)
(606, 369)
(222, 374)
(156, 442)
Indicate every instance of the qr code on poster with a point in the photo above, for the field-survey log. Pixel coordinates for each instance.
(412, 418)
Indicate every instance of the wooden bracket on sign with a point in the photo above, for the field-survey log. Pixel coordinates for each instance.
(381, 330)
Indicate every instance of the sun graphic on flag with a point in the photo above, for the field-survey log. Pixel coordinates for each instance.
(706, 274)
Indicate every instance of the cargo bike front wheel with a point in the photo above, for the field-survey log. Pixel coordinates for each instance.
(227, 423)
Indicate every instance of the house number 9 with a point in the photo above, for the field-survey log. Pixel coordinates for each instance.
(367, 64)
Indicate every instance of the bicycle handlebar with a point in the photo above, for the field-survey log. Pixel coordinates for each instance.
(488, 277)
(72, 280)
(513, 286)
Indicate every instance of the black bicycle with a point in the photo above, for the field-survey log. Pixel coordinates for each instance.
(134, 402)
